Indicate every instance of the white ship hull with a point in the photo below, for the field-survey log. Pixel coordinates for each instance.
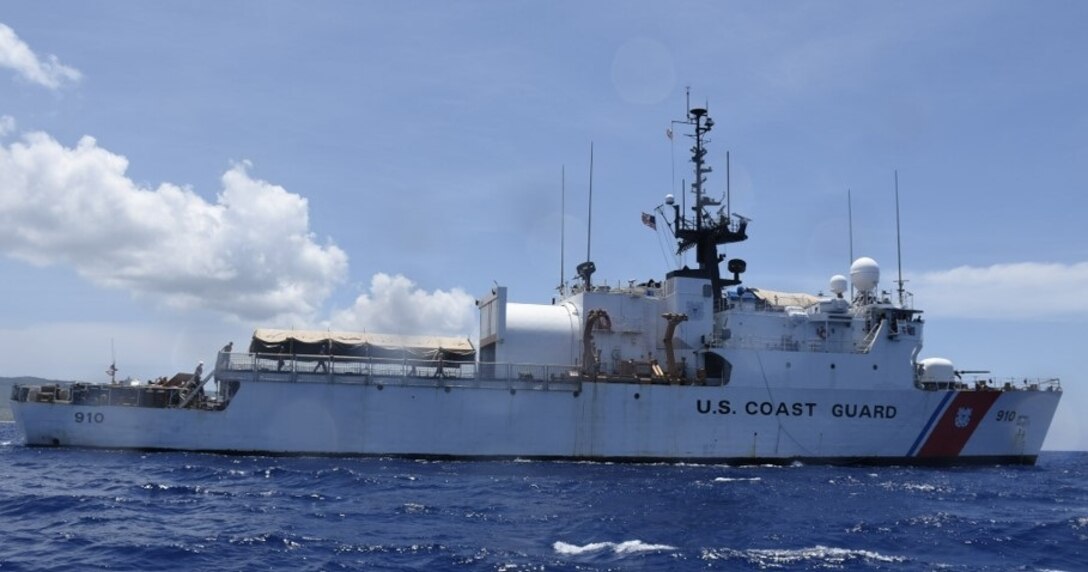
(587, 420)
(684, 369)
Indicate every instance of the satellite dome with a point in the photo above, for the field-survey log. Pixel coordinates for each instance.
(865, 274)
(838, 284)
(669, 199)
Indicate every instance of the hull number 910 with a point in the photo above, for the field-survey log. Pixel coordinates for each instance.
(82, 417)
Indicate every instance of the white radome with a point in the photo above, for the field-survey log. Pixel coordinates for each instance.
(865, 274)
(838, 284)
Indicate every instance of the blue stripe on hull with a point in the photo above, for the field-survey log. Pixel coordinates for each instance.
(929, 424)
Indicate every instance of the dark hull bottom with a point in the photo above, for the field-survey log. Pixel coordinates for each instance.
(735, 461)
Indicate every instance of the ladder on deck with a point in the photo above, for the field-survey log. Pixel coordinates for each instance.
(866, 343)
(191, 389)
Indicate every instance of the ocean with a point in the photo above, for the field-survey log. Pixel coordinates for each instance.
(117, 510)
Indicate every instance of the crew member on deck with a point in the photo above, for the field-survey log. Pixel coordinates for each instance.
(321, 362)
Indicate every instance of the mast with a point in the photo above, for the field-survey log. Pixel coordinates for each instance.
(898, 242)
(728, 190)
(850, 225)
(704, 231)
(562, 226)
(586, 269)
(112, 371)
(589, 223)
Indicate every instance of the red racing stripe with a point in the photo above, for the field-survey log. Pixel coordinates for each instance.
(958, 423)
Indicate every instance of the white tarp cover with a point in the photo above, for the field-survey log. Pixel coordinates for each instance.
(360, 344)
(783, 299)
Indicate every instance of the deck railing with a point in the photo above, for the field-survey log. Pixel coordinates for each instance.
(307, 367)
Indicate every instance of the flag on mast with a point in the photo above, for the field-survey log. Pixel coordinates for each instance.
(649, 220)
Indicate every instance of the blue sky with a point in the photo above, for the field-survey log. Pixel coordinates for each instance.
(173, 175)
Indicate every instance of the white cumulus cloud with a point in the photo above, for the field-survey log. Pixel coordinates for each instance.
(396, 305)
(7, 125)
(15, 54)
(1023, 290)
(249, 254)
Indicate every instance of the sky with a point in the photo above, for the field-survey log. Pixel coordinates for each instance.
(173, 175)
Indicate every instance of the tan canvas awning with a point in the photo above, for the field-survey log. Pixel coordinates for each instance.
(784, 299)
(360, 344)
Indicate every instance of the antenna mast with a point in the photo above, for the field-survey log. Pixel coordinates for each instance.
(728, 192)
(898, 242)
(113, 364)
(703, 231)
(562, 226)
(589, 223)
(586, 269)
(850, 225)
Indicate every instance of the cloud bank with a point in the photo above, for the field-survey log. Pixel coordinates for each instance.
(15, 54)
(7, 125)
(250, 254)
(397, 305)
(1024, 290)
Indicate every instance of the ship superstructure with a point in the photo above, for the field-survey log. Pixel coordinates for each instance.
(694, 367)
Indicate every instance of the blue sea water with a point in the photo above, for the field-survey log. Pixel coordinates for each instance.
(81, 509)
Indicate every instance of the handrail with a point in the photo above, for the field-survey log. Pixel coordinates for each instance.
(791, 345)
(317, 366)
(1015, 383)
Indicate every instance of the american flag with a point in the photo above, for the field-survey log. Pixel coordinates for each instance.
(649, 220)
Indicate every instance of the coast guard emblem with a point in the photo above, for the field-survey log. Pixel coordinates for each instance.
(963, 417)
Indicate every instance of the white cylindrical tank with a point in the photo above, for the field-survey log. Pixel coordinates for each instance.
(865, 274)
(540, 334)
(937, 370)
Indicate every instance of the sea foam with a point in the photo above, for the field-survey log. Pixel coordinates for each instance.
(625, 547)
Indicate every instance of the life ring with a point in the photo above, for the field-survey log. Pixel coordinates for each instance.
(822, 332)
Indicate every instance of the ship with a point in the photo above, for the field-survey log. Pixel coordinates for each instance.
(695, 367)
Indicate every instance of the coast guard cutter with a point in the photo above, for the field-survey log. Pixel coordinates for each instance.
(694, 367)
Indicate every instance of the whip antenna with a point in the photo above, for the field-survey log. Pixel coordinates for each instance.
(562, 226)
(850, 225)
(898, 242)
(587, 268)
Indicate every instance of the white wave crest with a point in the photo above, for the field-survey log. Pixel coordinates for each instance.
(913, 487)
(775, 558)
(737, 479)
(625, 547)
